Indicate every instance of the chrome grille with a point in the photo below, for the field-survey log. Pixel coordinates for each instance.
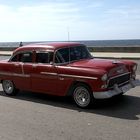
(119, 80)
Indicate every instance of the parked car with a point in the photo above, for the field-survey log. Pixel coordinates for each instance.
(66, 69)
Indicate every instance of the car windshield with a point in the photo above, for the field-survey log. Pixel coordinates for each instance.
(72, 54)
(80, 52)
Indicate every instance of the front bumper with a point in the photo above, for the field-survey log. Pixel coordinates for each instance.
(116, 90)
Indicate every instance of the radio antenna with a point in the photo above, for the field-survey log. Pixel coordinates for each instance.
(68, 33)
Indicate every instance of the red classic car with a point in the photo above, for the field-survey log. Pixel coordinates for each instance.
(66, 69)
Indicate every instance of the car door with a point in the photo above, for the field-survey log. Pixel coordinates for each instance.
(11, 71)
(20, 67)
(26, 61)
(64, 76)
(44, 74)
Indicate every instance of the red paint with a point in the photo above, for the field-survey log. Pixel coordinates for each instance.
(57, 79)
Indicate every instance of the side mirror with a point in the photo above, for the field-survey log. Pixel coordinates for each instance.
(51, 63)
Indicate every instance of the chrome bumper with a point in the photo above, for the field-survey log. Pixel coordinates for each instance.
(116, 90)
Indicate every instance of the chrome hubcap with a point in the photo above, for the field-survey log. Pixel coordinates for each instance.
(81, 96)
(8, 86)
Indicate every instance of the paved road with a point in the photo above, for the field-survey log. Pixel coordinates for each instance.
(33, 116)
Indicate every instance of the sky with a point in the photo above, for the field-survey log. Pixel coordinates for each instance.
(62, 20)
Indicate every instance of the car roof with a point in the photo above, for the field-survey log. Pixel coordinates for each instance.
(46, 46)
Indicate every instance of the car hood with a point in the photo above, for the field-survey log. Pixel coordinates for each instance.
(104, 64)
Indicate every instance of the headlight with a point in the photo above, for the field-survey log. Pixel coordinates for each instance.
(134, 68)
(104, 77)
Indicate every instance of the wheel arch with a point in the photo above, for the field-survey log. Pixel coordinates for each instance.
(74, 83)
(9, 92)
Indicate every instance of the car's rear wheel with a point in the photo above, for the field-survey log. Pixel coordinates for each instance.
(9, 87)
(82, 95)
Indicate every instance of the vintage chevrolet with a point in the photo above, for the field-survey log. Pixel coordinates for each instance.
(66, 68)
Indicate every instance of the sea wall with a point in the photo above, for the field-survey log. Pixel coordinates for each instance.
(115, 49)
(95, 49)
(7, 48)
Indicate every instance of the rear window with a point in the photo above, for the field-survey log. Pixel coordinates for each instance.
(25, 57)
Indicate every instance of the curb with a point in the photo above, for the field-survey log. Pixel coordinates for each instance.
(5, 54)
(132, 58)
(115, 55)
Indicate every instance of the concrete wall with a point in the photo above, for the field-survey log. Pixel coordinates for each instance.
(115, 49)
(95, 49)
(7, 48)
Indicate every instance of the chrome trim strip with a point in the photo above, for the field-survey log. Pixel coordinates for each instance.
(124, 83)
(22, 68)
(116, 77)
(76, 76)
(49, 73)
(14, 74)
(119, 75)
(113, 92)
(67, 75)
(120, 84)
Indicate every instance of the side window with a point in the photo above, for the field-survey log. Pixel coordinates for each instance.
(22, 57)
(44, 57)
(25, 57)
(62, 56)
(14, 59)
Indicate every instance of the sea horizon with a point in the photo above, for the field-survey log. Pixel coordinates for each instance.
(89, 43)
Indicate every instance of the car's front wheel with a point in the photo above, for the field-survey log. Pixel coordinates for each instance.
(9, 87)
(82, 95)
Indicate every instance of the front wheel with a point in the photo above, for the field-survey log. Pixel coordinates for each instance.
(82, 95)
(9, 88)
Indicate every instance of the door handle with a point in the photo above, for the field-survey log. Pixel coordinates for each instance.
(16, 65)
(61, 78)
(34, 66)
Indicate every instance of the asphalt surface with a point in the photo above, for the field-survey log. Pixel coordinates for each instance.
(34, 116)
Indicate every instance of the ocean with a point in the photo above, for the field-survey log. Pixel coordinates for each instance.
(89, 43)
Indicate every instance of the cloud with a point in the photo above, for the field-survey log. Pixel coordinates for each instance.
(124, 12)
(47, 20)
(97, 4)
(48, 17)
(49, 13)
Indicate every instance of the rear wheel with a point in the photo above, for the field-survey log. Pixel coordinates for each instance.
(9, 88)
(82, 95)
